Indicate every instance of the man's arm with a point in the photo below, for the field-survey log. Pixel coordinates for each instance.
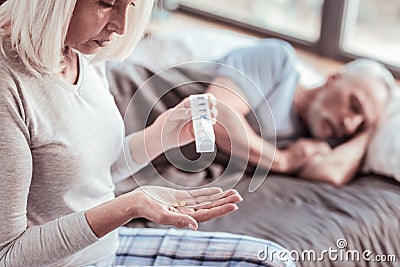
(235, 135)
(341, 164)
(232, 131)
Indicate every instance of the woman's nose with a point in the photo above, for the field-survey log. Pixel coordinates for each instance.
(351, 123)
(118, 21)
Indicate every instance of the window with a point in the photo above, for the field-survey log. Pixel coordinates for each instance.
(298, 18)
(341, 29)
(372, 29)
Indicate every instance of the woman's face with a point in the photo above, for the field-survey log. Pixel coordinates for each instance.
(95, 22)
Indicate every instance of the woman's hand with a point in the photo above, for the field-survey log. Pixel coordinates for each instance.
(183, 208)
(174, 127)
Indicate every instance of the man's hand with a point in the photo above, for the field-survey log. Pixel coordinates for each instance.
(294, 157)
(340, 165)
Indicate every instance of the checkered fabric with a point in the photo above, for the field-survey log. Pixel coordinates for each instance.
(173, 247)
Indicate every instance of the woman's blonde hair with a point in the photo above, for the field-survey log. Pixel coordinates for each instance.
(37, 30)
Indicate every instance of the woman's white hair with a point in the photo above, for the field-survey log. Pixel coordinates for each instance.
(37, 30)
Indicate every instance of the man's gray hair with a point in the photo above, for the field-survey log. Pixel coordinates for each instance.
(370, 68)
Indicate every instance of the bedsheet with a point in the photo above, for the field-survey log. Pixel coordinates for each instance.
(295, 213)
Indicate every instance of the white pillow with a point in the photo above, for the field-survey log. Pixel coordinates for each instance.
(383, 155)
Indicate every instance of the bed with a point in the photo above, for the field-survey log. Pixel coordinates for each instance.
(298, 214)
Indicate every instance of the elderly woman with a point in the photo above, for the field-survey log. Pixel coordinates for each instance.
(61, 144)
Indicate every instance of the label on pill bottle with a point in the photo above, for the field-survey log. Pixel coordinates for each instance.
(202, 123)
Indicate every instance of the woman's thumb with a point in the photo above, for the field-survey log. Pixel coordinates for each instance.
(182, 220)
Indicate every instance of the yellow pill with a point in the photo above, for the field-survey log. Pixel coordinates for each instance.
(175, 204)
(182, 203)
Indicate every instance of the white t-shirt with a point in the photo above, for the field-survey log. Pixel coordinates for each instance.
(266, 73)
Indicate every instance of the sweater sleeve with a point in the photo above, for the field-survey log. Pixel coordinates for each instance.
(21, 245)
(125, 166)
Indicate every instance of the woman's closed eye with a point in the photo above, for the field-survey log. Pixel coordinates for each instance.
(105, 4)
(111, 5)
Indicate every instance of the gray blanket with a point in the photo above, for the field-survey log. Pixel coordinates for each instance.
(298, 214)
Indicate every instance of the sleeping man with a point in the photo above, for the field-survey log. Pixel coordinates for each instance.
(328, 127)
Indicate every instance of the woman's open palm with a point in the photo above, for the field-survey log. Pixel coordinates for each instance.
(185, 208)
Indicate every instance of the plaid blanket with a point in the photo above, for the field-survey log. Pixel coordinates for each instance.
(172, 247)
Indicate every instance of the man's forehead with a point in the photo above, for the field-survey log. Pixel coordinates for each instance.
(366, 82)
(371, 87)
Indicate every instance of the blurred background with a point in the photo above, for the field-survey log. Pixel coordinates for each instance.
(339, 29)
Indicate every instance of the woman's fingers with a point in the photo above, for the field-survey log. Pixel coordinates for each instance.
(204, 196)
(205, 191)
(212, 99)
(180, 113)
(205, 202)
(231, 192)
(213, 197)
(180, 220)
(203, 215)
(198, 196)
(185, 103)
(213, 107)
(214, 115)
(232, 198)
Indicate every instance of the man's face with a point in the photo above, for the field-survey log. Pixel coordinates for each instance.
(345, 105)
